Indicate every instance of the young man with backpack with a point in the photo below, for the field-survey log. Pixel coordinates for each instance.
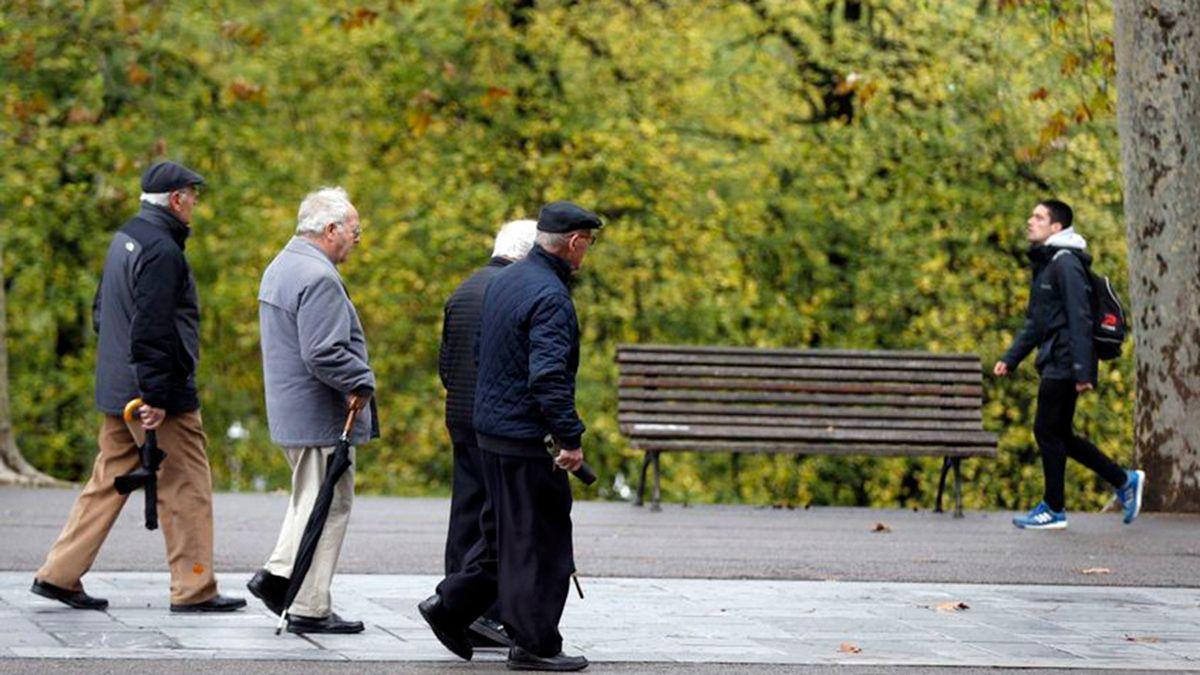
(1073, 320)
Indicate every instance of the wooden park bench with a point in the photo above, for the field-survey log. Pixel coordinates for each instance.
(803, 402)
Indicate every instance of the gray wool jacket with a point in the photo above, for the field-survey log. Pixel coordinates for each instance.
(314, 350)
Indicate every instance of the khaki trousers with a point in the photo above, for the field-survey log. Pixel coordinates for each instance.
(184, 507)
(308, 472)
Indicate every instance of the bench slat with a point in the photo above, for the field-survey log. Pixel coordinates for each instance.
(627, 420)
(871, 353)
(879, 450)
(790, 397)
(785, 411)
(819, 386)
(966, 365)
(786, 373)
(707, 432)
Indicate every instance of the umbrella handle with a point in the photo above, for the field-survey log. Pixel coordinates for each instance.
(349, 423)
(131, 409)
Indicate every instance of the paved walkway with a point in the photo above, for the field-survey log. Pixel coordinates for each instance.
(390, 535)
(658, 620)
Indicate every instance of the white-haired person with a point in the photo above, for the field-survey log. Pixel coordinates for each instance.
(456, 366)
(315, 369)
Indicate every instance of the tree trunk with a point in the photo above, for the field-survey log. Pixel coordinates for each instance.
(1158, 85)
(14, 470)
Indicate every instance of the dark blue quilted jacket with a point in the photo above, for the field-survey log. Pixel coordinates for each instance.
(528, 355)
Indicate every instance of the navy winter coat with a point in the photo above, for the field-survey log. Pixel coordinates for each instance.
(1059, 319)
(528, 356)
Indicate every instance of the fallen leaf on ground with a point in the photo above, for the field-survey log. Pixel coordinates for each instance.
(880, 527)
(1141, 638)
(850, 648)
(1095, 570)
(951, 606)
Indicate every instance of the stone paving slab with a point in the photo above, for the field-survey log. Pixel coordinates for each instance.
(656, 621)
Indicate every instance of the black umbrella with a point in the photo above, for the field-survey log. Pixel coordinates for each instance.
(145, 476)
(338, 462)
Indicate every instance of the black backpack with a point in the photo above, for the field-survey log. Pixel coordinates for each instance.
(1109, 328)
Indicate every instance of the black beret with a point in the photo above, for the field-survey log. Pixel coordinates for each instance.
(168, 176)
(566, 217)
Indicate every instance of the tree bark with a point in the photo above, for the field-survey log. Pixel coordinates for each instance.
(1158, 82)
(14, 470)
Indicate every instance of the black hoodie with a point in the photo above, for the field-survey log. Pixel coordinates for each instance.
(1059, 319)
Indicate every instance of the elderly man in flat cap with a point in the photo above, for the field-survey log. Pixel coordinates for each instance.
(525, 396)
(148, 320)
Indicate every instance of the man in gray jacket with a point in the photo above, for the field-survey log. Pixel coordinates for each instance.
(315, 368)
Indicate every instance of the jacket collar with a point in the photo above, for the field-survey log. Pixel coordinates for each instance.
(499, 261)
(301, 246)
(560, 267)
(161, 217)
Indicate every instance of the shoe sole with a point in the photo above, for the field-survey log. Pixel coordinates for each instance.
(1141, 486)
(544, 669)
(496, 639)
(207, 610)
(309, 631)
(73, 605)
(443, 638)
(1049, 526)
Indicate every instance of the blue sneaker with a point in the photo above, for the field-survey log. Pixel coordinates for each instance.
(1131, 494)
(1042, 518)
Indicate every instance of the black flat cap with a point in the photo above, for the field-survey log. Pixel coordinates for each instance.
(566, 217)
(167, 176)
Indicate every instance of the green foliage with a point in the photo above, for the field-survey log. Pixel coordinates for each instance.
(837, 174)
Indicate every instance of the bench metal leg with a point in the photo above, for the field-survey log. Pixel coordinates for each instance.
(656, 506)
(958, 510)
(942, 485)
(641, 491)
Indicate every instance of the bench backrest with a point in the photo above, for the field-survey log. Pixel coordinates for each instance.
(806, 401)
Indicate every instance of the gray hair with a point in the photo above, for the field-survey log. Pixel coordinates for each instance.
(162, 199)
(549, 240)
(514, 239)
(321, 207)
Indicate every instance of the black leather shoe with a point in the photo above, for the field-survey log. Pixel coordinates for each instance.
(76, 599)
(330, 624)
(521, 659)
(486, 633)
(454, 639)
(271, 589)
(220, 603)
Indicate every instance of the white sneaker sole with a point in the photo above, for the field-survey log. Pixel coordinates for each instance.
(1060, 525)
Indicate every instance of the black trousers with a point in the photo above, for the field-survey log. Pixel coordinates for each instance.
(469, 493)
(1057, 440)
(525, 558)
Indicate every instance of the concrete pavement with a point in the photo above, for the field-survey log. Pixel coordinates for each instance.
(717, 588)
(406, 536)
(658, 620)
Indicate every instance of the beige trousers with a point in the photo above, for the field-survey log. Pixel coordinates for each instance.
(184, 507)
(308, 472)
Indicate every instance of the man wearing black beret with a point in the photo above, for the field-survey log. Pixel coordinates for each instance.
(524, 396)
(148, 320)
